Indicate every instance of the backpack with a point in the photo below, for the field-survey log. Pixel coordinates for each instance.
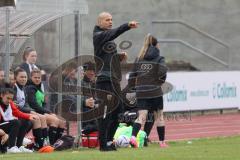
(65, 142)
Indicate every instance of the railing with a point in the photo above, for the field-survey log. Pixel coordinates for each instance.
(194, 48)
(227, 63)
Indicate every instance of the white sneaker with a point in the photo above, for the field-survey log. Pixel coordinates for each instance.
(25, 150)
(26, 141)
(13, 150)
(46, 142)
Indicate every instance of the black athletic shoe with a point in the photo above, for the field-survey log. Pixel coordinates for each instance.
(106, 149)
(145, 142)
(3, 149)
(113, 147)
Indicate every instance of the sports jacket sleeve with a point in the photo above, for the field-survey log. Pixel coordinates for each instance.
(17, 113)
(109, 35)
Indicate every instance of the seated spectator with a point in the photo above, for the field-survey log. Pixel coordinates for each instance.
(2, 78)
(39, 125)
(11, 78)
(15, 128)
(36, 100)
(88, 102)
(59, 85)
(69, 78)
(3, 83)
(1, 75)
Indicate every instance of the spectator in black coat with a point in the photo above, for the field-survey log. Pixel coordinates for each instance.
(30, 59)
(89, 102)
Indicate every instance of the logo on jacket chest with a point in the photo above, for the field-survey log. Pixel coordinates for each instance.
(146, 67)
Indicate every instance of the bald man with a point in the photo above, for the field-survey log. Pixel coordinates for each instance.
(109, 77)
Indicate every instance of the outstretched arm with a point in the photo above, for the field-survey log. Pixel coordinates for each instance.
(111, 34)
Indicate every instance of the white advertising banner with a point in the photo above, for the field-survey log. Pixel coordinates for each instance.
(202, 91)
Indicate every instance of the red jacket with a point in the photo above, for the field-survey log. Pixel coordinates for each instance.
(17, 113)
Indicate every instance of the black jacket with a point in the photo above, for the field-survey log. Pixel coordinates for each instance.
(105, 51)
(91, 125)
(31, 90)
(88, 91)
(149, 74)
(25, 66)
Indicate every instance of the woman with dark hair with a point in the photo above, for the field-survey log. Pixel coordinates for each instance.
(36, 100)
(3, 83)
(15, 128)
(2, 74)
(30, 59)
(148, 76)
(39, 127)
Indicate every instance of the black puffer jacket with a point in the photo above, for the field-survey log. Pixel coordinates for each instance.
(149, 74)
(105, 51)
